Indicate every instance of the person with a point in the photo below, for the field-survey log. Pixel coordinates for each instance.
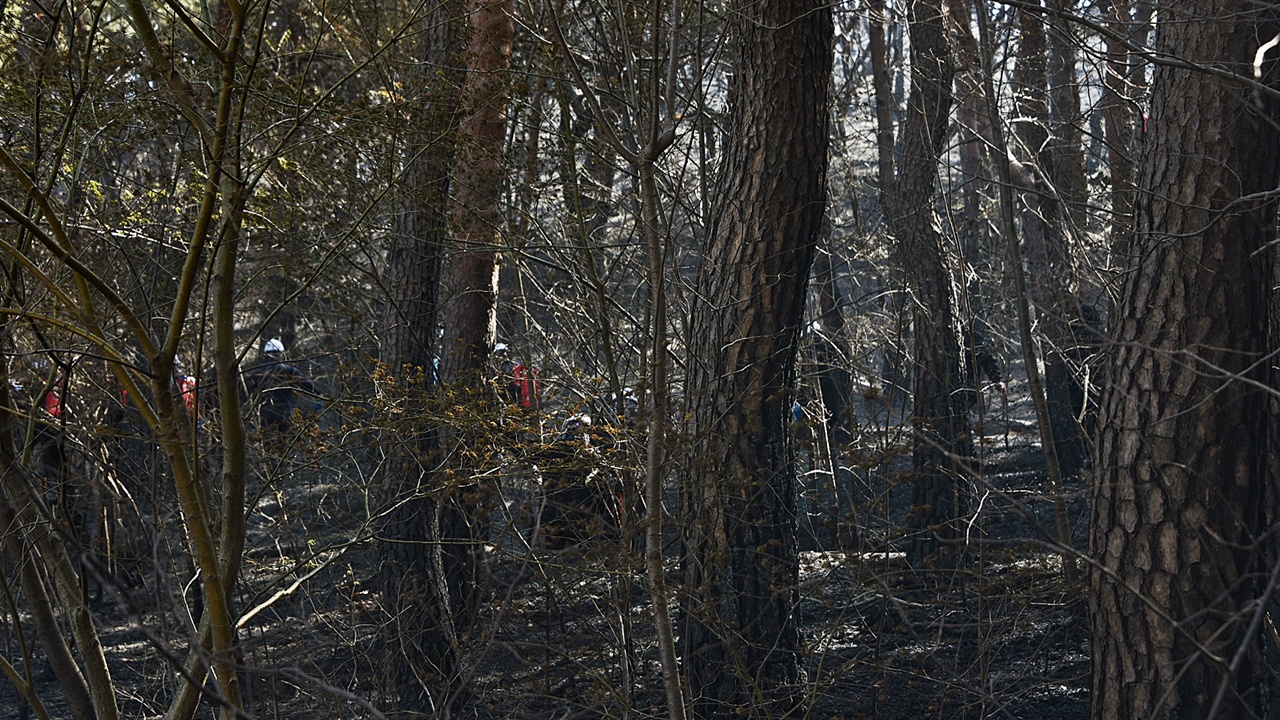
(579, 504)
(276, 384)
(187, 391)
(982, 364)
(524, 379)
(517, 381)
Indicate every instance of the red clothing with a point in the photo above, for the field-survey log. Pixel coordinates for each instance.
(53, 404)
(187, 390)
(524, 378)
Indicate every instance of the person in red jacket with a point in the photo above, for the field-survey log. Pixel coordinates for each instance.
(524, 383)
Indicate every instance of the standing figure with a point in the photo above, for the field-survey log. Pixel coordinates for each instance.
(276, 385)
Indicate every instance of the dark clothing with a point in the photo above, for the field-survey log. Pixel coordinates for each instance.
(276, 386)
(580, 495)
(983, 357)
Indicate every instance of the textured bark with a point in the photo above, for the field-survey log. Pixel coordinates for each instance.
(470, 284)
(1180, 518)
(471, 280)
(882, 81)
(420, 638)
(942, 442)
(739, 635)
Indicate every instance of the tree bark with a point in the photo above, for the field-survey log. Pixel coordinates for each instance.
(1119, 108)
(1182, 502)
(739, 625)
(882, 81)
(1045, 231)
(420, 639)
(470, 284)
(942, 442)
(1067, 148)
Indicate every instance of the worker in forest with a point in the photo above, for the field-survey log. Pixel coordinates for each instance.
(279, 388)
(517, 381)
(982, 363)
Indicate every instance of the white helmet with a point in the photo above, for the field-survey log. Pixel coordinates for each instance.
(273, 346)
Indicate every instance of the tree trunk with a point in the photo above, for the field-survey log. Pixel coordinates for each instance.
(882, 81)
(1182, 503)
(420, 639)
(470, 284)
(1119, 108)
(942, 442)
(1045, 236)
(740, 637)
(1067, 148)
(975, 135)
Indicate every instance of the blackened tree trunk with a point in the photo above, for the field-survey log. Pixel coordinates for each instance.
(1120, 110)
(739, 622)
(1182, 548)
(942, 441)
(420, 639)
(1045, 232)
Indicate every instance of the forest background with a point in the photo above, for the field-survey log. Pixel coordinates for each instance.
(893, 359)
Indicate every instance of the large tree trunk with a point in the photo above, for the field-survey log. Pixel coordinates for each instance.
(939, 488)
(740, 636)
(1182, 503)
(420, 639)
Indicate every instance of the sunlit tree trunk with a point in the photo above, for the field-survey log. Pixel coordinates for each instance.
(740, 637)
(1181, 533)
(470, 283)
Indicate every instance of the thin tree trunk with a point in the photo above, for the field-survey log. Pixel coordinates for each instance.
(1067, 148)
(942, 443)
(882, 81)
(1119, 108)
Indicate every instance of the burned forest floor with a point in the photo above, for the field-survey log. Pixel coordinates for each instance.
(569, 632)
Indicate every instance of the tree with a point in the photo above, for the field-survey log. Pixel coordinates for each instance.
(1184, 566)
(942, 443)
(421, 639)
(470, 283)
(740, 639)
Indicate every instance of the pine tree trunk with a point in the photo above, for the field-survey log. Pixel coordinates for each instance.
(420, 640)
(470, 287)
(740, 637)
(1181, 504)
